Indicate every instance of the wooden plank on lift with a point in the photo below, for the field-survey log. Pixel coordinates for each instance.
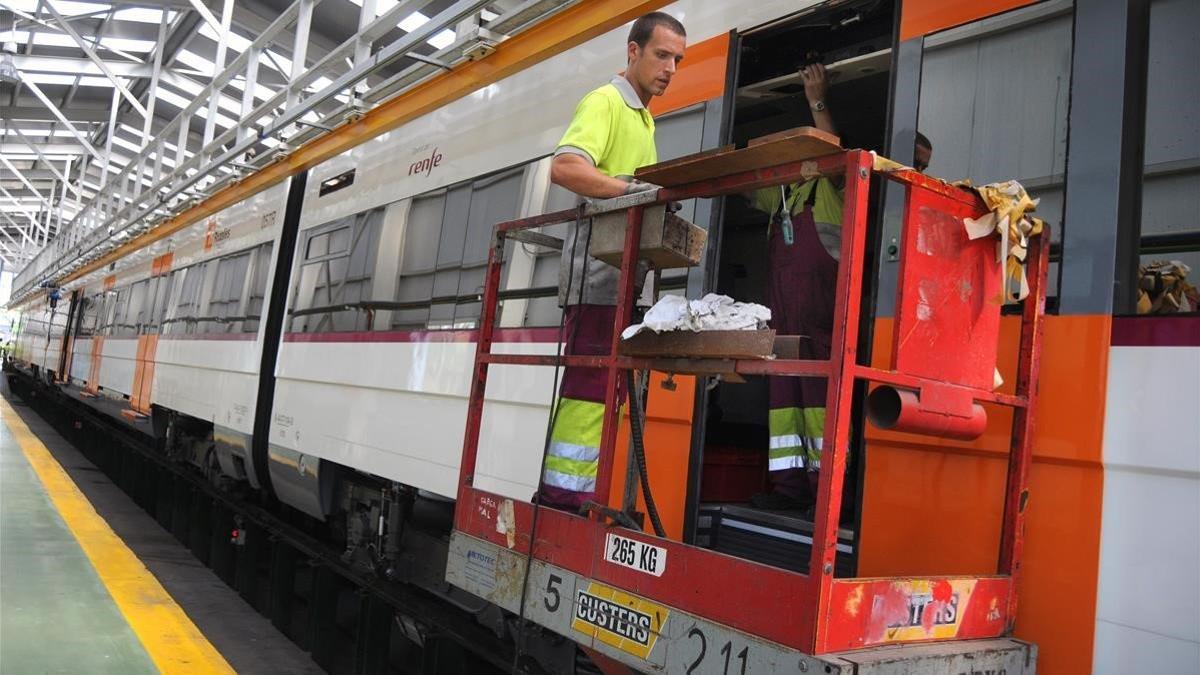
(711, 344)
(792, 145)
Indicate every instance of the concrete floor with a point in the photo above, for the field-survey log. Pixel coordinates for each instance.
(56, 614)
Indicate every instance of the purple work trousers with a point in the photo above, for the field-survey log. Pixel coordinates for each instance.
(801, 295)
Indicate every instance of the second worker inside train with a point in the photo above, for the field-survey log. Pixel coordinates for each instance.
(804, 239)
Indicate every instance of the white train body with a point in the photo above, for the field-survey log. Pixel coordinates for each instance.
(202, 363)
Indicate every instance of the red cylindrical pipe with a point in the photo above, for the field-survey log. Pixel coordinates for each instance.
(901, 410)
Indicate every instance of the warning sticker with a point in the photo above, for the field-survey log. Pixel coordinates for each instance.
(627, 622)
(481, 569)
(920, 609)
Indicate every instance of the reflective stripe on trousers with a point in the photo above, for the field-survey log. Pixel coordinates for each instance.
(574, 453)
(796, 438)
(572, 460)
(801, 294)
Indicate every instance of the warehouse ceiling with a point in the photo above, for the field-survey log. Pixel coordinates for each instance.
(89, 88)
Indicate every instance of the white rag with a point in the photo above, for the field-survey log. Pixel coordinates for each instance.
(712, 312)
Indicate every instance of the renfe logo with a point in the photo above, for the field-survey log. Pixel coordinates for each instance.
(427, 165)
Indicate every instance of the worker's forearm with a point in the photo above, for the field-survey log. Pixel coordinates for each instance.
(585, 180)
(824, 121)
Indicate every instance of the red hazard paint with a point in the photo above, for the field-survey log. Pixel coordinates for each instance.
(929, 615)
(942, 591)
(889, 610)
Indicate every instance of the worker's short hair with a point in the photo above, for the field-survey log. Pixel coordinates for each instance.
(923, 141)
(644, 27)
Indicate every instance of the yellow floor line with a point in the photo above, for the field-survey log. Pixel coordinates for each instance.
(168, 635)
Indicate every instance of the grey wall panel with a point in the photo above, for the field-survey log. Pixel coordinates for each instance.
(995, 107)
(1173, 82)
(679, 133)
(1172, 204)
(1105, 166)
(1171, 189)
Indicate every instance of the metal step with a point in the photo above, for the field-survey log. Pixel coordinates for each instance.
(778, 538)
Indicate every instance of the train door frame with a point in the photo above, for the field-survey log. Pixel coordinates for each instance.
(69, 332)
(872, 283)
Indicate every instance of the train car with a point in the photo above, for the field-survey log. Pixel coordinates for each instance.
(172, 336)
(38, 338)
(315, 342)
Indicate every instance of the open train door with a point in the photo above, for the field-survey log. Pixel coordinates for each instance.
(765, 94)
(72, 327)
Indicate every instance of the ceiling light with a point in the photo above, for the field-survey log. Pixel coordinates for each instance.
(443, 39)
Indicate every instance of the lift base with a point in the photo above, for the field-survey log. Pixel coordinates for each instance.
(648, 636)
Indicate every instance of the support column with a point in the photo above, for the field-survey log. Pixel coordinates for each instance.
(1105, 157)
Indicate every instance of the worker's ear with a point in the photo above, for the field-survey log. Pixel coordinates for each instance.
(631, 51)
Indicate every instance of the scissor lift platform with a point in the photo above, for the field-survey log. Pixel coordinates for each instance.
(656, 604)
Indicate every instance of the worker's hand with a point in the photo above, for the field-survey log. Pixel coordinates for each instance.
(635, 186)
(816, 83)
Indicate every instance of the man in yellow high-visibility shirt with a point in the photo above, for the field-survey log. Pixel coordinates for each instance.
(610, 137)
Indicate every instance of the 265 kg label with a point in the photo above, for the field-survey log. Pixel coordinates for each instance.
(631, 553)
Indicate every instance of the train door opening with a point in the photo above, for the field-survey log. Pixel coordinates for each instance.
(742, 507)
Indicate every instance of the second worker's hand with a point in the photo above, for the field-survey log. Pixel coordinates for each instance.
(816, 88)
(816, 83)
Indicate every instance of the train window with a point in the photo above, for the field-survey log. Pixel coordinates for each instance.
(969, 78)
(258, 287)
(445, 251)
(187, 307)
(418, 261)
(338, 182)
(334, 289)
(545, 311)
(89, 317)
(170, 324)
(116, 313)
(493, 199)
(138, 314)
(162, 296)
(451, 239)
(1170, 235)
(225, 300)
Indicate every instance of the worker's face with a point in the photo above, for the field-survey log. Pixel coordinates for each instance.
(921, 157)
(653, 66)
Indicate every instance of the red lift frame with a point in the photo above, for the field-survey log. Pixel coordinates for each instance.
(815, 612)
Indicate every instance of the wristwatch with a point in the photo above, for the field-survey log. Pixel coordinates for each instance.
(818, 105)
